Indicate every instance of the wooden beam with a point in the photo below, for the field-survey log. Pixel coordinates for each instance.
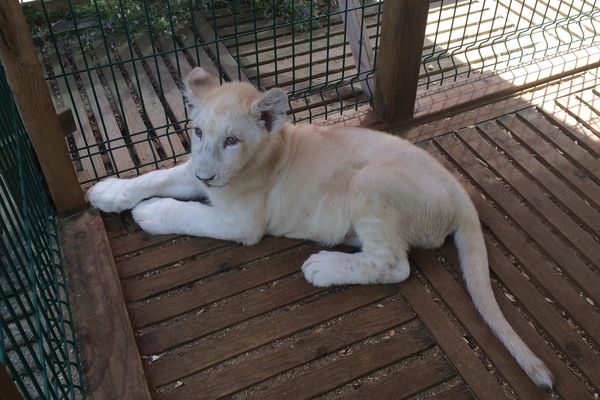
(399, 58)
(26, 78)
(8, 391)
(111, 362)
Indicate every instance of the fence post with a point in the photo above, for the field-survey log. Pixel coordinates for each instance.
(26, 78)
(8, 391)
(399, 59)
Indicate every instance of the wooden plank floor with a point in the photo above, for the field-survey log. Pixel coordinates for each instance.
(217, 320)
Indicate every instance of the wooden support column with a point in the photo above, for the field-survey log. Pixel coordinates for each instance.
(8, 391)
(26, 78)
(112, 367)
(399, 59)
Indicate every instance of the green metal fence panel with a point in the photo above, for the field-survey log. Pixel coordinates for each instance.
(466, 38)
(118, 63)
(37, 341)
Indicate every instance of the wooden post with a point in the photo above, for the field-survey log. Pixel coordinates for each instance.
(25, 75)
(112, 367)
(8, 391)
(399, 59)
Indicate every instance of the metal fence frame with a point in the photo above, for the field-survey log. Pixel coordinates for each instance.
(312, 53)
(38, 343)
(514, 27)
(343, 92)
(38, 346)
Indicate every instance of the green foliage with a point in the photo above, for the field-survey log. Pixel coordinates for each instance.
(140, 17)
(303, 12)
(134, 16)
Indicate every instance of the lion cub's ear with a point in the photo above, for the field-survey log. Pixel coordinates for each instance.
(197, 84)
(270, 109)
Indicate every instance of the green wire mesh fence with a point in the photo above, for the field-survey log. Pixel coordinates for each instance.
(117, 64)
(37, 341)
(467, 37)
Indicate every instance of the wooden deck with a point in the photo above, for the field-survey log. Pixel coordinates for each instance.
(213, 319)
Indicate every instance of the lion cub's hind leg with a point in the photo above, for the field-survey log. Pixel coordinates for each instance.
(328, 268)
(383, 256)
(383, 259)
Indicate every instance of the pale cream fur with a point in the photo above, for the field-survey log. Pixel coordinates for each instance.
(331, 185)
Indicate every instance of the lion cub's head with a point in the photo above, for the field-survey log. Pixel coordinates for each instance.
(231, 124)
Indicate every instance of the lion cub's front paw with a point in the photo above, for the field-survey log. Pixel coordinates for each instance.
(321, 269)
(113, 195)
(153, 215)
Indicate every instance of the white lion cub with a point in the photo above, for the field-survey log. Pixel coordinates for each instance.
(331, 185)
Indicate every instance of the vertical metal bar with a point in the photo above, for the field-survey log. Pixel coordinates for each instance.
(216, 41)
(274, 4)
(258, 85)
(236, 39)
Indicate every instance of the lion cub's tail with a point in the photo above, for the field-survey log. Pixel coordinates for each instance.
(474, 264)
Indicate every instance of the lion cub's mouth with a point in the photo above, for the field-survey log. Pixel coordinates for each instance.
(211, 185)
(214, 186)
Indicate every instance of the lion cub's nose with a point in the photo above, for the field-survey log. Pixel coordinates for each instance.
(206, 180)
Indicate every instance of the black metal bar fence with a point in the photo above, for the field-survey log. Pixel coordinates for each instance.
(37, 341)
(117, 64)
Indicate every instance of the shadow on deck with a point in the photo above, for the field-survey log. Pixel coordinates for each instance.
(213, 319)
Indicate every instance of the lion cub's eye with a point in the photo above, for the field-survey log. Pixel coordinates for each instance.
(231, 141)
(198, 132)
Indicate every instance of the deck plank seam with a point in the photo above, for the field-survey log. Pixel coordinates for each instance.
(121, 247)
(147, 314)
(309, 297)
(302, 299)
(281, 344)
(529, 317)
(573, 279)
(564, 155)
(505, 287)
(124, 263)
(200, 277)
(252, 323)
(147, 302)
(473, 344)
(324, 362)
(552, 226)
(548, 296)
(580, 120)
(217, 301)
(557, 135)
(504, 243)
(543, 187)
